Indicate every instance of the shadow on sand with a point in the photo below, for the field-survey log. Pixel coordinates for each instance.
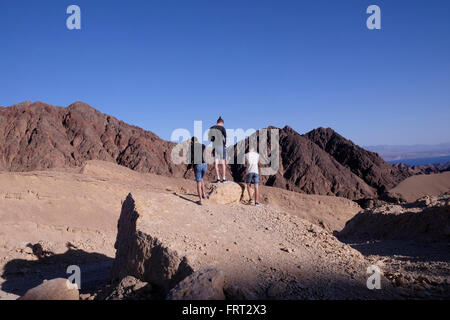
(21, 275)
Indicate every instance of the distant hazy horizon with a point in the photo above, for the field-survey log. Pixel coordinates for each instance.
(413, 154)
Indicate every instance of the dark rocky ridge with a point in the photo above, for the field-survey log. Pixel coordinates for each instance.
(367, 165)
(306, 168)
(37, 136)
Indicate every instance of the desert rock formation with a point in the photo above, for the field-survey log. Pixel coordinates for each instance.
(306, 168)
(365, 164)
(55, 218)
(428, 219)
(255, 248)
(37, 136)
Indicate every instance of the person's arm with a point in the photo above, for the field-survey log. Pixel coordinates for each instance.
(224, 133)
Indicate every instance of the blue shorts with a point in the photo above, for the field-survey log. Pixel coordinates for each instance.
(221, 154)
(199, 171)
(252, 178)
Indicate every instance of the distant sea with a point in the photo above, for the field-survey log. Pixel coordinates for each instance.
(422, 161)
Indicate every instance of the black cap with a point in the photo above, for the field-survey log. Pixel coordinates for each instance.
(220, 119)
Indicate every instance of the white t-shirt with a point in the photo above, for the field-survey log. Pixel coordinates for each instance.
(252, 159)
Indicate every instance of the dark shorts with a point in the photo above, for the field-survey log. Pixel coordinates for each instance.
(252, 178)
(220, 154)
(199, 171)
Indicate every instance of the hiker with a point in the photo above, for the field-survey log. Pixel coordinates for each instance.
(198, 163)
(218, 135)
(252, 175)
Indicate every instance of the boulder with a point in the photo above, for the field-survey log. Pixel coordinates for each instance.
(141, 254)
(225, 193)
(201, 285)
(55, 289)
(129, 288)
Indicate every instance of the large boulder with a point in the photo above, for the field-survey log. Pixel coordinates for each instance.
(225, 193)
(55, 289)
(129, 288)
(201, 285)
(142, 255)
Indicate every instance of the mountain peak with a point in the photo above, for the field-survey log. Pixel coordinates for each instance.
(365, 164)
(80, 105)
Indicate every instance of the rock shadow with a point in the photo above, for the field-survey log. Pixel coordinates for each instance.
(21, 275)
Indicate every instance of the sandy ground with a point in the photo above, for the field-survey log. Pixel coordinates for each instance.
(74, 213)
(418, 186)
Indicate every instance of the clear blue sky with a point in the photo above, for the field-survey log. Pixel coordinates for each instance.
(163, 64)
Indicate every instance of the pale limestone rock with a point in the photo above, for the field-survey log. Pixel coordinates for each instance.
(55, 289)
(225, 193)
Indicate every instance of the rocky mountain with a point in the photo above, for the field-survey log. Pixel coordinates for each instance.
(305, 167)
(367, 165)
(37, 136)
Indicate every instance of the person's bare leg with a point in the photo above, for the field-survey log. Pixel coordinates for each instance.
(199, 190)
(256, 193)
(249, 192)
(216, 165)
(203, 189)
(224, 168)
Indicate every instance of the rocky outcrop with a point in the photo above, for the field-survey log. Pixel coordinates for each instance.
(55, 289)
(171, 243)
(129, 288)
(142, 255)
(37, 136)
(428, 219)
(306, 168)
(201, 285)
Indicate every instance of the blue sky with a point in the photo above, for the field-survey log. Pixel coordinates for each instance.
(163, 64)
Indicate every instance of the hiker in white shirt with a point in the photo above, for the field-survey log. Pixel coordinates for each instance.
(252, 175)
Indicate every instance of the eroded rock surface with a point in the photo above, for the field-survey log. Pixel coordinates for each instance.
(201, 285)
(257, 249)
